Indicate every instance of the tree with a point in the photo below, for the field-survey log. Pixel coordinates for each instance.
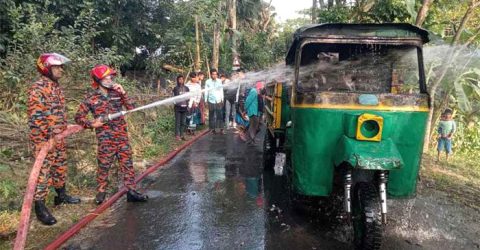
(232, 29)
(314, 11)
(197, 63)
(215, 46)
(422, 13)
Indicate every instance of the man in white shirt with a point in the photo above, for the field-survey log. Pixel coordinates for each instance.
(214, 98)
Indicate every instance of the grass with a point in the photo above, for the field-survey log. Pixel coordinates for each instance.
(459, 168)
(459, 177)
(8, 222)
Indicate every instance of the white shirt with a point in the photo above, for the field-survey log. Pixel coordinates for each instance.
(197, 88)
(214, 94)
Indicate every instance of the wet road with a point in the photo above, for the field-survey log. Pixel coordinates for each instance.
(215, 195)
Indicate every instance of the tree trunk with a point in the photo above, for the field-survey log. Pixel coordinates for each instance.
(442, 106)
(173, 68)
(314, 11)
(330, 4)
(451, 56)
(422, 13)
(232, 16)
(216, 46)
(468, 14)
(266, 17)
(197, 62)
(321, 4)
(208, 66)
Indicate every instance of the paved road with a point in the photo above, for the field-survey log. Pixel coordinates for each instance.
(213, 195)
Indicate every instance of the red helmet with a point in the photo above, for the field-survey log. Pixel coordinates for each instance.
(99, 72)
(47, 60)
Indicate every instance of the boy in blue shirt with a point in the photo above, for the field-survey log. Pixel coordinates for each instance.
(446, 129)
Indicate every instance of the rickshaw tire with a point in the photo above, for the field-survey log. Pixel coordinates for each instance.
(365, 199)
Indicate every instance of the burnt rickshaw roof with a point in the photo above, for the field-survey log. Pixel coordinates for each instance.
(355, 31)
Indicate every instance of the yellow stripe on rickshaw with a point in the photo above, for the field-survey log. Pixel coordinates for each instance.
(277, 108)
(363, 107)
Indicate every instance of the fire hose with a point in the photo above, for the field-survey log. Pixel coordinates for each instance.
(32, 183)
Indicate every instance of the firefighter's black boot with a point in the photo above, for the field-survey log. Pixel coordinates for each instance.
(100, 198)
(63, 197)
(134, 196)
(43, 215)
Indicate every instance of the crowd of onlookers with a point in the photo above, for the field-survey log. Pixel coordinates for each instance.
(229, 105)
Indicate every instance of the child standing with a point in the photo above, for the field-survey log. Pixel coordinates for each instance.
(106, 98)
(446, 129)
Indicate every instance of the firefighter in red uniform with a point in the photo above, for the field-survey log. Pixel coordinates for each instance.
(47, 118)
(107, 98)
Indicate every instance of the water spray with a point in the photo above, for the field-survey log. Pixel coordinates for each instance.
(279, 73)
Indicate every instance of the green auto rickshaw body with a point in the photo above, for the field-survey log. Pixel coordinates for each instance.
(323, 125)
(318, 145)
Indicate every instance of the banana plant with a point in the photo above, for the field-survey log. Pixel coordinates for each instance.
(467, 89)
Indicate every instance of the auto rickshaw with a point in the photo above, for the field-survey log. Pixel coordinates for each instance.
(357, 109)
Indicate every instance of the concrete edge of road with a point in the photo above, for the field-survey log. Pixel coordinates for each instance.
(99, 210)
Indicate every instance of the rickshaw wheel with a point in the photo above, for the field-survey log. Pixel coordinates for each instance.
(367, 221)
(268, 151)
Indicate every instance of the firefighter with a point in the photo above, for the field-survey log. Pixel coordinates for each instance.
(47, 118)
(108, 97)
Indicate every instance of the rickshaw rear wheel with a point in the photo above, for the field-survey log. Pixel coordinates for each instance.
(268, 151)
(367, 220)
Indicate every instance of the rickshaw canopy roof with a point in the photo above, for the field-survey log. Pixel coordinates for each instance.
(387, 31)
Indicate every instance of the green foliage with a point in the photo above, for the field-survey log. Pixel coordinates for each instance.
(159, 129)
(337, 14)
(163, 126)
(370, 11)
(254, 53)
(467, 94)
(34, 32)
(392, 11)
(461, 96)
(411, 9)
(8, 189)
(467, 139)
(6, 152)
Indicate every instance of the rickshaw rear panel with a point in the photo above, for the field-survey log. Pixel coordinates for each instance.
(314, 177)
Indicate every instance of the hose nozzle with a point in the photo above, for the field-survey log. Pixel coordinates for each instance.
(110, 117)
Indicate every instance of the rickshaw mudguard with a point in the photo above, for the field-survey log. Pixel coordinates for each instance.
(382, 155)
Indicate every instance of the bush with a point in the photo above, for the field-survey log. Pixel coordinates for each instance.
(467, 140)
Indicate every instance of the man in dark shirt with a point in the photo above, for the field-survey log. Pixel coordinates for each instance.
(181, 108)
